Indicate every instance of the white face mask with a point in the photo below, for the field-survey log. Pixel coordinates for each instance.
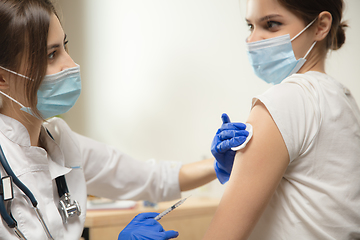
(57, 93)
(273, 59)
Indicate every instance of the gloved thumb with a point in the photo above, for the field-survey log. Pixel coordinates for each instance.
(225, 118)
(171, 234)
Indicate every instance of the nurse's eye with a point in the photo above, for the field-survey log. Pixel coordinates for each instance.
(273, 25)
(51, 55)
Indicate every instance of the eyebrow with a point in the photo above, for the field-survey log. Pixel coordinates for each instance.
(267, 17)
(56, 45)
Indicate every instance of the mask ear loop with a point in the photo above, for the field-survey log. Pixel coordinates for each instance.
(18, 74)
(12, 99)
(313, 45)
(22, 106)
(304, 29)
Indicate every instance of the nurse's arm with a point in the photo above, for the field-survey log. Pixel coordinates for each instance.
(256, 173)
(196, 174)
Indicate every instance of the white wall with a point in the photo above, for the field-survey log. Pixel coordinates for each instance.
(157, 75)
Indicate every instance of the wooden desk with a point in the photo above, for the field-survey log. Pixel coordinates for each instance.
(191, 219)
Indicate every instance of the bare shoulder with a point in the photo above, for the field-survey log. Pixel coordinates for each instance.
(267, 142)
(257, 171)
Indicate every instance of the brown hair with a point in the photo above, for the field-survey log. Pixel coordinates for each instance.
(308, 10)
(24, 27)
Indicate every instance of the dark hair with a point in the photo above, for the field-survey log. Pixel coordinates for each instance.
(24, 27)
(308, 10)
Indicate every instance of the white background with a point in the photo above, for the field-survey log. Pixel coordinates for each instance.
(157, 75)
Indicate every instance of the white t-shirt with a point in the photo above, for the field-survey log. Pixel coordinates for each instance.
(319, 194)
(89, 167)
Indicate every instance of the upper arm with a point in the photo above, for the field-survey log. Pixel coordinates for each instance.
(256, 173)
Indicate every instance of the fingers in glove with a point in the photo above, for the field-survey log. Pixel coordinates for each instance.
(228, 134)
(233, 126)
(228, 144)
(237, 141)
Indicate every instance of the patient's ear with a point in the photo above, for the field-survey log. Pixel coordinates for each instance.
(323, 25)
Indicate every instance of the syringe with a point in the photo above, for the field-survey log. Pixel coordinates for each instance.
(158, 217)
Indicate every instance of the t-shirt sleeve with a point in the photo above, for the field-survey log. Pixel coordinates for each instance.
(294, 107)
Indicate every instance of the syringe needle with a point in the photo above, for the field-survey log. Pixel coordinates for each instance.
(158, 217)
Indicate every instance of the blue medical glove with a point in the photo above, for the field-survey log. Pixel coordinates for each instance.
(144, 226)
(229, 135)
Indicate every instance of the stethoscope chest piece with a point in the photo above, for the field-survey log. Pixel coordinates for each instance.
(68, 209)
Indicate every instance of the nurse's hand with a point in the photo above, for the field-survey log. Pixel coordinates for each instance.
(144, 226)
(229, 135)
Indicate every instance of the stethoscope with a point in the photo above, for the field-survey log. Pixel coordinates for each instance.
(66, 208)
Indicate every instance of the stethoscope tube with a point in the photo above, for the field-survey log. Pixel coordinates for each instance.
(27, 192)
(4, 214)
(16, 180)
(61, 185)
(8, 218)
(60, 181)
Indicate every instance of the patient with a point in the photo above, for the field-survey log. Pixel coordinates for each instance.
(298, 177)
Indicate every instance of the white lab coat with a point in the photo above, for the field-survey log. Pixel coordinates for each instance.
(89, 167)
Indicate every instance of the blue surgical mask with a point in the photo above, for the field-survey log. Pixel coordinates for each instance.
(273, 59)
(57, 93)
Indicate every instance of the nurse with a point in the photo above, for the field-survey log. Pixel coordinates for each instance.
(56, 166)
(298, 177)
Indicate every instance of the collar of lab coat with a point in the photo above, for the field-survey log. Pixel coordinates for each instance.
(58, 162)
(66, 140)
(14, 131)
